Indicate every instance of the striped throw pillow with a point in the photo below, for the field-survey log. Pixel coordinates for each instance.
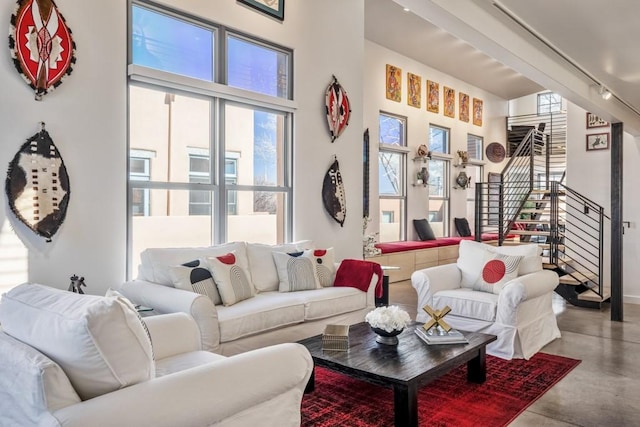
(194, 276)
(296, 271)
(231, 279)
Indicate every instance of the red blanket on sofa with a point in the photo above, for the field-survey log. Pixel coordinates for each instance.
(357, 273)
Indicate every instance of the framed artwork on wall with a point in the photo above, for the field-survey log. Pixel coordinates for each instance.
(274, 8)
(449, 102)
(477, 112)
(433, 96)
(598, 141)
(394, 83)
(594, 121)
(414, 90)
(463, 114)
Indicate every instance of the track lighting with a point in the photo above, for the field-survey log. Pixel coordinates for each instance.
(604, 92)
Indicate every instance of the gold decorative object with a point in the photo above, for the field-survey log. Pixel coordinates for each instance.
(437, 318)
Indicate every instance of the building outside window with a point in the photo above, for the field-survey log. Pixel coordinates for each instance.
(549, 103)
(222, 168)
(439, 180)
(392, 167)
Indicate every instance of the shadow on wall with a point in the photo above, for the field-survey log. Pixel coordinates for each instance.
(14, 258)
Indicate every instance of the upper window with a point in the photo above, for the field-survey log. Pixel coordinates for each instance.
(438, 139)
(475, 145)
(169, 44)
(256, 67)
(392, 130)
(549, 103)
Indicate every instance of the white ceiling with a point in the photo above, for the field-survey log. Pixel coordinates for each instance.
(387, 24)
(566, 46)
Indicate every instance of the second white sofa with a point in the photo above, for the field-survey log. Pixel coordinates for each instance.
(269, 317)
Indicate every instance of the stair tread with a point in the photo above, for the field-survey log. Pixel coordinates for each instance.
(577, 278)
(530, 232)
(590, 295)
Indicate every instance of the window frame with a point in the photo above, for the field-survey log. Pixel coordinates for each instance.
(479, 143)
(545, 100)
(401, 150)
(220, 96)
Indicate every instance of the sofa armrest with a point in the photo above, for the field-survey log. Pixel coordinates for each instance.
(235, 389)
(173, 334)
(430, 280)
(522, 288)
(371, 292)
(164, 299)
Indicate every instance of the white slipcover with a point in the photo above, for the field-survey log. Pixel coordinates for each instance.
(521, 316)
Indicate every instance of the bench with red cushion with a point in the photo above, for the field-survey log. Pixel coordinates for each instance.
(410, 245)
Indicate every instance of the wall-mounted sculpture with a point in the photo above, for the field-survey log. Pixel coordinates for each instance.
(37, 185)
(41, 45)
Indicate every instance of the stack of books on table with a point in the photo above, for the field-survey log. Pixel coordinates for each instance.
(336, 338)
(452, 337)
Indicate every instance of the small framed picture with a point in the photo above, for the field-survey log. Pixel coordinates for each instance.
(594, 121)
(598, 141)
(274, 8)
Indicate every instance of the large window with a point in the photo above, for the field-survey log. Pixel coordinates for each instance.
(392, 166)
(474, 172)
(221, 168)
(439, 180)
(549, 103)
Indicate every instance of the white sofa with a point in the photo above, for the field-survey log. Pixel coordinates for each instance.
(79, 360)
(519, 312)
(270, 317)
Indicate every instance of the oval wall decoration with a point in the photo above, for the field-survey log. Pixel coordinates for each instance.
(338, 108)
(495, 152)
(41, 45)
(37, 185)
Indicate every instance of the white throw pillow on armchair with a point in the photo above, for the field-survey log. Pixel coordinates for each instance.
(101, 343)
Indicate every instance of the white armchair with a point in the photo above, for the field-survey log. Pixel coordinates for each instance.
(185, 385)
(519, 313)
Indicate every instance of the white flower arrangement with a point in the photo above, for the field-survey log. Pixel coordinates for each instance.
(391, 318)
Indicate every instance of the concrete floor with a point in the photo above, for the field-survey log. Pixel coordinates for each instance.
(603, 390)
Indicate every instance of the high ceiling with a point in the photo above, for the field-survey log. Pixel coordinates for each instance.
(387, 24)
(514, 47)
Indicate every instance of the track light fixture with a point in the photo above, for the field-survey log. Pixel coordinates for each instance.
(604, 92)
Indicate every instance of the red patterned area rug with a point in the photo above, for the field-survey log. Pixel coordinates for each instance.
(511, 386)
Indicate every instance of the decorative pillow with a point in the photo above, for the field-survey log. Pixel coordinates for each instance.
(263, 269)
(324, 262)
(296, 272)
(100, 343)
(194, 276)
(462, 227)
(532, 261)
(423, 229)
(497, 270)
(231, 279)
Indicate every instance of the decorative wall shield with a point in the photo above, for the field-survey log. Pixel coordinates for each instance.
(37, 185)
(41, 45)
(333, 194)
(338, 108)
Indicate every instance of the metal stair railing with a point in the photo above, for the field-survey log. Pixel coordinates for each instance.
(577, 245)
(498, 204)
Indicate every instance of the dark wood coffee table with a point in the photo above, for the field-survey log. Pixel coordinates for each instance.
(405, 367)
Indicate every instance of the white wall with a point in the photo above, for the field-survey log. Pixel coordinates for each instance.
(87, 119)
(418, 121)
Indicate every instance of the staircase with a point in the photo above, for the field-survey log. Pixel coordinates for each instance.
(529, 201)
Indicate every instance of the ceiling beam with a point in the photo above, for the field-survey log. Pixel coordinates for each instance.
(484, 26)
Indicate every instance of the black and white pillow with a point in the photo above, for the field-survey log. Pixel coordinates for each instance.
(324, 262)
(194, 276)
(231, 278)
(296, 271)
